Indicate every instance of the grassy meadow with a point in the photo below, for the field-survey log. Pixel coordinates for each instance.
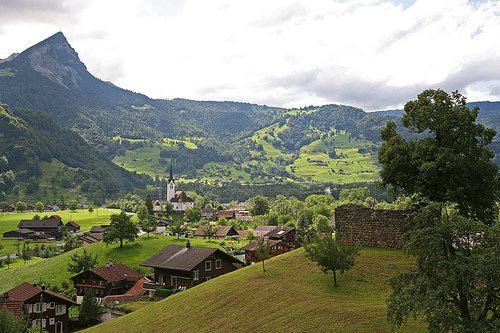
(54, 270)
(293, 295)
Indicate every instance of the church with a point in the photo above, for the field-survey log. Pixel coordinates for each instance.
(179, 199)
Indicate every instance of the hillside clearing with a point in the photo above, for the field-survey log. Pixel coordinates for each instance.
(291, 296)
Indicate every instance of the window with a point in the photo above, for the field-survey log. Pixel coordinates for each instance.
(218, 264)
(52, 321)
(59, 327)
(52, 305)
(60, 309)
(36, 308)
(29, 308)
(35, 322)
(196, 275)
(208, 278)
(208, 265)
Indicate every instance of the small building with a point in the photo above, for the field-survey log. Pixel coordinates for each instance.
(262, 230)
(8, 209)
(186, 266)
(207, 213)
(111, 279)
(277, 247)
(39, 306)
(30, 208)
(284, 234)
(91, 238)
(243, 215)
(51, 227)
(73, 226)
(223, 232)
(55, 217)
(228, 214)
(18, 234)
(181, 202)
(157, 206)
(99, 229)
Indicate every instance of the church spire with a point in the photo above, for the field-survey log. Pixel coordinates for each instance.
(171, 178)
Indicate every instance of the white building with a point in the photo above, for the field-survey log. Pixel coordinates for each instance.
(179, 199)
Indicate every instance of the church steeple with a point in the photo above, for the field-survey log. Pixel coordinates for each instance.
(171, 178)
(170, 184)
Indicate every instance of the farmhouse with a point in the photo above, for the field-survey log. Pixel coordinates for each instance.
(228, 214)
(47, 228)
(8, 209)
(283, 234)
(41, 307)
(207, 213)
(73, 226)
(111, 279)
(223, 232)
(18, 234)
(277, 247)
(187, 266)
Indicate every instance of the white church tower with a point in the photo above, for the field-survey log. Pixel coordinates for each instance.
(170, 185)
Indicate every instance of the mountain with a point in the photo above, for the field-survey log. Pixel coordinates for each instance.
(33, 144)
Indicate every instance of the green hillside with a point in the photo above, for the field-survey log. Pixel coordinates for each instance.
(54, 270)
(291, 296)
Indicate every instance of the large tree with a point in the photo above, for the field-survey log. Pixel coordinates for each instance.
(455, 284)
(120, 229)
(81, 262)
(260, 205)
(147, 225)
(148, 202)
(90, 312)
(331, 254)
(450, 162)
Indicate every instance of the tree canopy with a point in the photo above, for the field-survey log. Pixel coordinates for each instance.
(121, 229)
(450, 162)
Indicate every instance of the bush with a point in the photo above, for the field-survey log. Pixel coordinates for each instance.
(163, 291)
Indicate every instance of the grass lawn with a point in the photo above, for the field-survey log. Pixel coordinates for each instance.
(20, 263)
(54, 270)
(293, 295)
(9, 221)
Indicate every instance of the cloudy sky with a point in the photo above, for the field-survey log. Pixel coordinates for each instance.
(373, 54)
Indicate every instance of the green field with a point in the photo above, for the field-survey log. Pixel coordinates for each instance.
(9, 221)
(54, 270)
(293, 295)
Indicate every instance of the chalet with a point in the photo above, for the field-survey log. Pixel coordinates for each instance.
(41, 307)
(223, 232)
(243, 215)
(99, 229)
(157, 206)
(186, 266)
(55, 217)
(30, 208)
(277, 247)
(262, 230)
(228, 214)
(50, 227)
(207, 213)
(8, 209)
(111, 279)
(18, 234)
(284, 234)
(48, 208)
(73, 226)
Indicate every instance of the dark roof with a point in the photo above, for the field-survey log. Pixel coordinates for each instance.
(73, 224)
(263, 230)
(115, 272)
(181, 196)
(182, 258)
(47, 223)
(252, 246)
(25, 291)
(97, 229)
(279, 232)
(222, 231)
(23, 231)
(97, 235)
(207, 211)
(57, 217)
(226, 213)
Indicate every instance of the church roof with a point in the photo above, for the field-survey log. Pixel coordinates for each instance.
(181, 196)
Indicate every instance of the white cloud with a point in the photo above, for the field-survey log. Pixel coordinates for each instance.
(373, 54)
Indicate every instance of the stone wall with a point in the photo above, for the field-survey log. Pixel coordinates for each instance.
(372, 227)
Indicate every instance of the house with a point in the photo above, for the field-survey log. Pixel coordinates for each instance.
(18, 234)
(73, 226)
(228, 214)
(50, 227)
(223, 232)
(284, 234)
(111, 279)
(30, 208)
(99, 229)
(41, 307)
(48, 208)
(243, 215)
(91, 238)
(277, 247)
(207, 213)
(55, 217)
(262, 230)
(8, 209)
(186, 266)
(157, 206)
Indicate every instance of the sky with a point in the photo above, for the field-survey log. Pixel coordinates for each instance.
(373, 54)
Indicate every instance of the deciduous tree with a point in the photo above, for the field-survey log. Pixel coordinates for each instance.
(263, 251)
(148, 225)
(260, 205)
(210, 231)
(82, 262)
(177, 228)
(120, 229)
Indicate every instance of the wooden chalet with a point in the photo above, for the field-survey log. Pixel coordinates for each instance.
(228, 214)
(186, 266)
(207, 213)
(157, 206)
(277, 247)
(8, 209)
(284, 234)
(223, 232)
(19, 234)
(47, 228)
(41, 307)
(111, 279)
(73, 226)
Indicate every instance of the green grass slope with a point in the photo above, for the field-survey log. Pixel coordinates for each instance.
(54, 270)
(293, 295)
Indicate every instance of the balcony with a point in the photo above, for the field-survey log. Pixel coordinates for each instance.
(152, 285)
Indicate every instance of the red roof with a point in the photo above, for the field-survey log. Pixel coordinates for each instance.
(25, 291)
(135, 292)
(226, 213)
(15, 307)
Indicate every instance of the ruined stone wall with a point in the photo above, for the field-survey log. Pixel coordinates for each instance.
(372, 227)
